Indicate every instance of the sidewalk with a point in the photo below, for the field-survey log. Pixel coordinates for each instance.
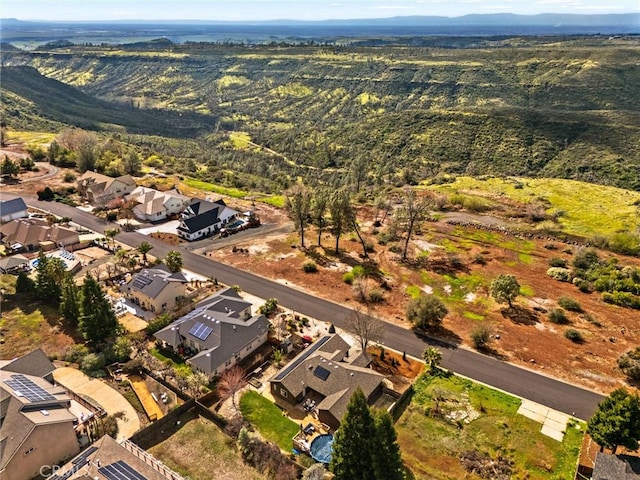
(105, 396)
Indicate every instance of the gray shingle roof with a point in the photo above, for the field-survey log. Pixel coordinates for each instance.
(11, 206)
(336, 380)
(34, 363)
(151, 281)
(616, 467)
(229, 332)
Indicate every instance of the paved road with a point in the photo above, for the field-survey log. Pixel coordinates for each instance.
(510, 378)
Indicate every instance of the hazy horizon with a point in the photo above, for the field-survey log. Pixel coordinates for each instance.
(292, 10)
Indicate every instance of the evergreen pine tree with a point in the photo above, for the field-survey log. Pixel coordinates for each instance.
(387, 463)
(50, 271)
(71, 301)
(24, 284)
(97, 319)
(353, 444)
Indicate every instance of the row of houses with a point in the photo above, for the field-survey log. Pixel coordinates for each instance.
(198, 218)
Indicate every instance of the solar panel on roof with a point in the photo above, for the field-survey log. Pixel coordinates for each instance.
(84, 455)
(321, 372)
(201, 331)
(24, 387)
(120, 471)
(141, 281)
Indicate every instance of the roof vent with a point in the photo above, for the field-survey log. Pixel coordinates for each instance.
(44, 412)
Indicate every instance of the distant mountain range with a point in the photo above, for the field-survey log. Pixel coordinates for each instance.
(497, 19)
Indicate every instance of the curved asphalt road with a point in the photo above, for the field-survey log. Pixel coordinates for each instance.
(524, 383)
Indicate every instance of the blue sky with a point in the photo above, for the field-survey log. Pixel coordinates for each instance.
(292, 9)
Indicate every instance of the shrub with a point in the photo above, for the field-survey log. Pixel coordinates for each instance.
(426, 311)
(69, 177)
(158, 323)
(558, 316)
(76, 353)
(573, 335)
(599, 241)
(623, 299)
(561, 274)
(585, 258)
(92, 363)
(625, 243)
(46, 194)
(481, 336)
(348, 278)
(479, 259)
(557, 262)
(376, 296)
(310, 266)
(269, 308)
(569, 304)
(629, 363)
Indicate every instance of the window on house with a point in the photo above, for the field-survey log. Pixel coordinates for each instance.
(284, 393)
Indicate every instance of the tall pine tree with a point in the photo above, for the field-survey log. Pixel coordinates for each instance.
(353, 444)
(50, 272)
(387, 463)
(70, 302)
(97, 319)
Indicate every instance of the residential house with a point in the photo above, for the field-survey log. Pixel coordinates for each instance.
(219, 333)
(33, 363)
(156, 289)
(107, 459)
(325, 375)
(11, 207)
(35, 233)
(154, 206)
(100, 189)
(37, 427)
(202, 218)
(616, 467)
(14, 264)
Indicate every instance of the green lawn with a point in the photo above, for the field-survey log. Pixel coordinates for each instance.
(431, 446)
(172, 359)
(268, 419)
(200, 450)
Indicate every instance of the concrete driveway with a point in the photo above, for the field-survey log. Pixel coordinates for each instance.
(105, 396)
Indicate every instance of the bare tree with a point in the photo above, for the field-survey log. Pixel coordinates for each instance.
(195, 382)
(298, 204)
(413, 211)
(230, 383)
(319, 209)
(366, 327)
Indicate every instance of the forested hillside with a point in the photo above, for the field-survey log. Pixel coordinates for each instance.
(397, 113)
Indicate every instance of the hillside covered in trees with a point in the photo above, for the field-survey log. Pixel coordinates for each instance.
(390, 114)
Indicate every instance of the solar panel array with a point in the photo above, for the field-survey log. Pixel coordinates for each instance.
(141, 281)
(25, 387)
(120, 471)
(201, 331)
(321, 372)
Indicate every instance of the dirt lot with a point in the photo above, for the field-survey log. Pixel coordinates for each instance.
(526, 336)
